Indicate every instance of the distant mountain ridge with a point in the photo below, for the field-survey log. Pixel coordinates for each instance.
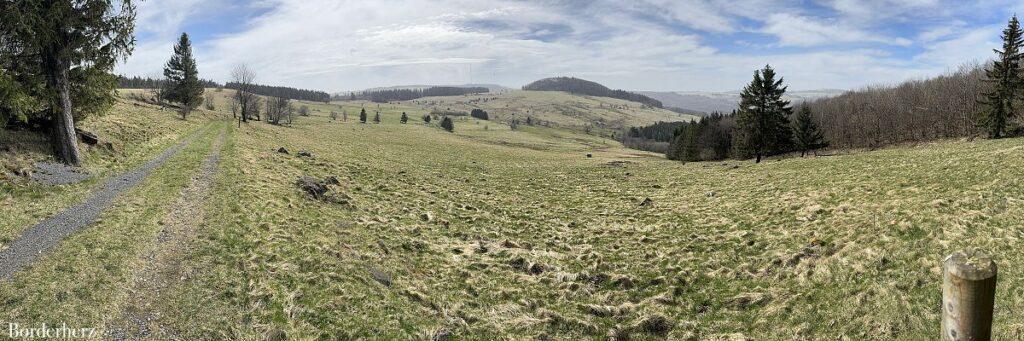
(490, 88)
(584, 87)
(708, 102)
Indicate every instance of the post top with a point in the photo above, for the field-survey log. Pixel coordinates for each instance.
(971, 265)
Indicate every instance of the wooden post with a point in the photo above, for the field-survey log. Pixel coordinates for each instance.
(968, 296)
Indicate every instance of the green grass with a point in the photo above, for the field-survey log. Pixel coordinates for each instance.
(529, 237)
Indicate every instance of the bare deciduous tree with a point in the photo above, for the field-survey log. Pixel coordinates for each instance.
(245, 99)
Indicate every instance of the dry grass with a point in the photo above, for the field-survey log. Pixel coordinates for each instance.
(492, 233)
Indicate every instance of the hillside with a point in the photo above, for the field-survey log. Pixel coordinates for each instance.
(558, 108)
(489, 232)
(584, 87)
(724, 102)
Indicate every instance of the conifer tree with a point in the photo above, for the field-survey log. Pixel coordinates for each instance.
(183, 85)
(362, 116)
(426, 119)
(405, 118)
(447, 124)
(764, 116)
(60, 53)
(376, 118)
(807, 135)
(1005, 74)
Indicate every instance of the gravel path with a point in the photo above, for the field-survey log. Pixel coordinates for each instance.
(35, 241)
(158, 268)
(58, 174)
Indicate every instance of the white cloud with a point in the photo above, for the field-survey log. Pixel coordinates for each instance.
(804, 31)
(349, 44)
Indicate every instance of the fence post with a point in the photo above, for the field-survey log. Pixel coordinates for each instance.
(968, 296)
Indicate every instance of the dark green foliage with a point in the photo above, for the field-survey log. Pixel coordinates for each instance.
(405, 118)
(447, 124)
(763, 117)
(136, 82)
(1005, 75)
(661, 131)
(381, 96)
(585, 87)
(284, 92)
(183, 86)
(362, 116)
(376, 118)
(709, 139)
(479, 114)
(806, 133)
(56, 57)
(426, 119)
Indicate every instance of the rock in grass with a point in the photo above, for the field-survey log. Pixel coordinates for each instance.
(303, 153)
(590, 155)
(282, 150)
(646, 202)
(315, 188)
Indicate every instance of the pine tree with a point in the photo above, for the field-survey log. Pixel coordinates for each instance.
(183, 85)
(808, 136)
(1005, 74)
(405, 118)
(426, 119)
(447, 124)
(362, 116)
(376, 118)
(764, 116)
(61, 53)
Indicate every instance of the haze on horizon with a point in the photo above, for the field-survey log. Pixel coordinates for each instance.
(661, 45)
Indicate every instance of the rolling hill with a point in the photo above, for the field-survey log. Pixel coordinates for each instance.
(559, 108)
(584, 87)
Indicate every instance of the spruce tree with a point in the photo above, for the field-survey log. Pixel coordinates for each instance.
(447, 124)
(808, 136)
(376, 118)
(426, 119)
(362, 116)
(763, 118)
(1007, 82)
(405, 118)
(59, 53)
(183, 85)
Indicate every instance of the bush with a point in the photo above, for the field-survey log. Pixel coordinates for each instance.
(426, 118)
(447, 124)
(479, 114)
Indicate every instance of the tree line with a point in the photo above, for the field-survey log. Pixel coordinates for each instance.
(391, 95)
(281, 91)
(584, 87)
(136, 82)
(760, 127)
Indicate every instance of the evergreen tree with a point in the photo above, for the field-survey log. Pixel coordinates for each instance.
(405, 118)
(56, 53)
(183, 84)
(362, 116)
(1005, 74)
(447, 124)
(808, 137)
(426, 119)
(764, 116)
(376, 118)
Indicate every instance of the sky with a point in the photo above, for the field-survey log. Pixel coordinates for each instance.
(657, 45)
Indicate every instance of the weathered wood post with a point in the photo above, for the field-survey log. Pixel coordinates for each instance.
(968, 296)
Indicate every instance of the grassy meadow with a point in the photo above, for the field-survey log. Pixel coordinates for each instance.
(490, 233)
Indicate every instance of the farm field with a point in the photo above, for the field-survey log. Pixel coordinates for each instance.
(490, 233)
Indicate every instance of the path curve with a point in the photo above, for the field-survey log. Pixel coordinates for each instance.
(39, 239)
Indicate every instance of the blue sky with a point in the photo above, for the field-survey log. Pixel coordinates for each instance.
(681, 45)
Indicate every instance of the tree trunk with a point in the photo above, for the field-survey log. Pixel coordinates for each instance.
(65, 145)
